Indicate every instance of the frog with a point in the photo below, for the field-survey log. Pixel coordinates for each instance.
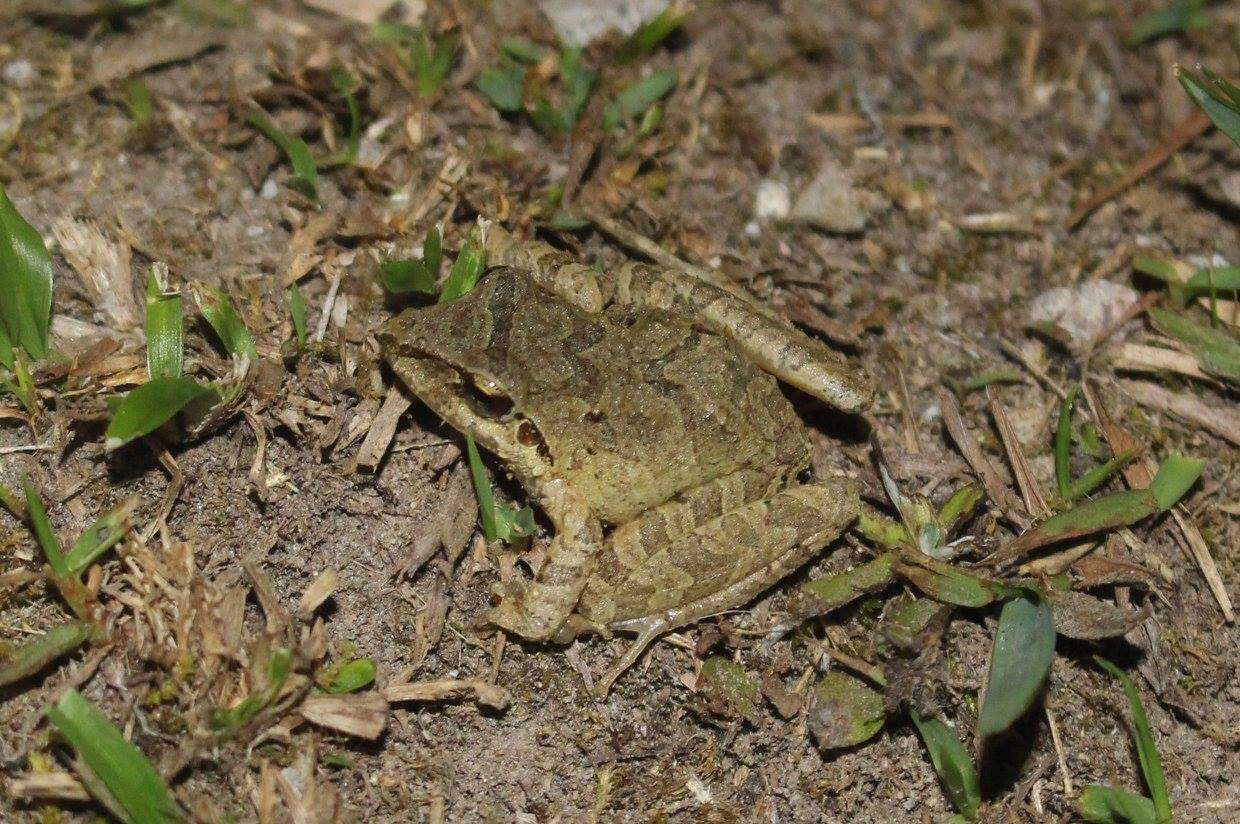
(640, 409)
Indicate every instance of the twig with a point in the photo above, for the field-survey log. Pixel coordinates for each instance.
(1013, 351)
(1185, 132)
(998, 492)
(1059, 756)
(1035, 504)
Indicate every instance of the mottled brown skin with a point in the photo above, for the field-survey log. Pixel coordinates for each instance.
(664, 458)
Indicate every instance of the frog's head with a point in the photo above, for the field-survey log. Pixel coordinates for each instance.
(458, 358)
(466, 338)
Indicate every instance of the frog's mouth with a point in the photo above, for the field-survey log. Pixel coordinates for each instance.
(488, 403)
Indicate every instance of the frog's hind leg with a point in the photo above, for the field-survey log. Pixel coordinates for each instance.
(721, 564)
(767, 339)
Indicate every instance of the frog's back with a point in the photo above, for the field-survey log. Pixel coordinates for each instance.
(635, 408)
(631, 407)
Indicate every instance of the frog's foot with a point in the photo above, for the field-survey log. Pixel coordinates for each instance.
(535, 611)
(648, 629)
(538, 609)
(576, 626)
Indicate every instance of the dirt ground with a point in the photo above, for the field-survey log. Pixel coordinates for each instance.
(962, 136)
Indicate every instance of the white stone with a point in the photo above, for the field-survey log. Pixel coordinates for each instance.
(580, 21)
(772, 201)
(1082, 310)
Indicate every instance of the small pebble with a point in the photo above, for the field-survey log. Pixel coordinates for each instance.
(18, 73)
(270, 189)
(772, 201)
(254, 231)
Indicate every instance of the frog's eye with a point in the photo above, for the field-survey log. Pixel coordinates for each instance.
(528, 435)
(485, 397)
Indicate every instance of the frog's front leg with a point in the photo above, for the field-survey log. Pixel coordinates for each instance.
(538, 609)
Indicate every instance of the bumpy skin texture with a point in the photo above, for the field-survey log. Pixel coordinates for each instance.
(619, 408)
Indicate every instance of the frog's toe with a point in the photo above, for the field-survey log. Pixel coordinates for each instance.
(532, 618)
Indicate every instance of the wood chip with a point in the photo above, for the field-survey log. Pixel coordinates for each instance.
(146, 48)
(382, 430)
(53, 786)
(323, 587)
(302, 253)
(996, 489)
(277, 616)
(1222, 420)
(361, 715)
(487, 694)
(1137, 357)
(102, 264)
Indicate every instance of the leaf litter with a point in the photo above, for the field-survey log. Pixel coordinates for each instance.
(318, 410)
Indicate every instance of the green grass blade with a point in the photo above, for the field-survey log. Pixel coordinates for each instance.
(1063, 444)
(432, 252)
(1180, 16)
(1174, 478)
(218, 311)
(1099, 475)
(43, 532)
(130, 779)
(945, 583)
(165, 332)
(305, 173)
(635, 99)
(1147, 752)
(654, 31)
(830, 592)
(297, 311)
(1211, 279)
(25, 284)
(468, 267)
(504, 86)
(6, 349)
(952, 764)
(878, 529)
(1219, 99)
(149, 407)
(279, 666)
(1023, 651)
(1109, 805)
(482, 489)
(105, 533)
(521, 50)
(352, 676)
(34, 656)
(403, 276)
(1216, 351)
(137, 99)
